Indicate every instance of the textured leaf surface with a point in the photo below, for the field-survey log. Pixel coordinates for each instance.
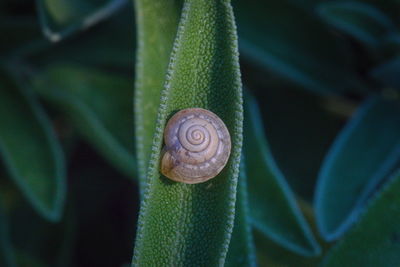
(30, 150)
(241, 251)
(388, 73)
(273, 207)
(191, 225)
(157, 23)
(374, 241)
(364, 153)
(360, 20)
(62, 17)
(288, 41)
(98, 104)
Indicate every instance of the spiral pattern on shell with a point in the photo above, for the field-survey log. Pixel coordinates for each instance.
(197, 146)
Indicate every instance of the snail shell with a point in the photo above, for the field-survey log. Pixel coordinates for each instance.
(197, 146)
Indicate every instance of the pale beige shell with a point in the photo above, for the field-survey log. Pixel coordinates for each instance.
(197, 146)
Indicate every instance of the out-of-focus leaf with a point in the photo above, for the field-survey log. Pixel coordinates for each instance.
(157, 23)
(360, 20)
(388, 73)
(62, 17)
(375, 240)
(94, 46)
(99, 104)
(273, 207)
(6, 252)
(192, 224)
(16, 32)
(287, 40)
(315, 120)
(364, 153)
(389, 7)
(241, 251)
(33, 242)
(30, 150)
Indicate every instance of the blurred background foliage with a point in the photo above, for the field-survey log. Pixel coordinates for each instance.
(322, 131)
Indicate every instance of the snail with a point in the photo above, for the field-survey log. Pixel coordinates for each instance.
(197, 146)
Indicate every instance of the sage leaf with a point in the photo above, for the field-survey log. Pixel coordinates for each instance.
(241, 251)
(60, 18)
(157, 24)
(191, 225)
(374, 241)
(274, 210)
(93, 48)
(360, 20)
(99, 106)
(364, 153)
(30, 150)
(288, 41)
(388, 73)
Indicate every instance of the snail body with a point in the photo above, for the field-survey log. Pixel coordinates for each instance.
(197, 146)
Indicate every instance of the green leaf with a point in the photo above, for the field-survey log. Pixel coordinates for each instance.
(191, 225)
(388, 73)
(241, 251)
(92, 47)
(364, 153)
(98, 104)
(273, 206)
(63, 17)
(6, 253)
(374, 241)
(30, 150)
(33, 242)
(300, 127)
(157, 23)
(362, 21)
(290, 42)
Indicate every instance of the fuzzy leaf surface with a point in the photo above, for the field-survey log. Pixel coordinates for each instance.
(241, 251)
(157, 24)
(191, 225)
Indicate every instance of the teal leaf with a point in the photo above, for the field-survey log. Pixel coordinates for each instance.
(241, 251)
(302, 132)
(274, 211)
(60, 18)
(363, 154)
(192, 224)
(99, 105)
(157, 23)
(360, 20)
(374, 241)
(30, 150)
(288, 41)
(388, 73)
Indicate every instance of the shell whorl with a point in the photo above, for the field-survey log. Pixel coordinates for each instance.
(197, 146)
